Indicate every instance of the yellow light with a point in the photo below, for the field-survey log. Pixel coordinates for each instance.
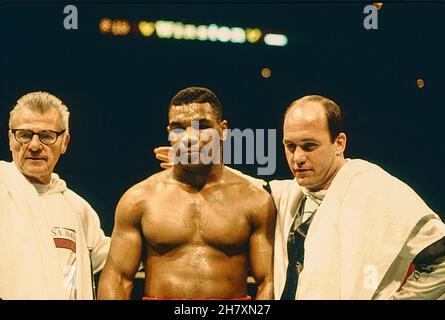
(178, 30)
(420, 83)
(253, 35)
(279, 40)
(105, 25)
(190, 32)
(146, 28)
(181, 31)
(266, 73)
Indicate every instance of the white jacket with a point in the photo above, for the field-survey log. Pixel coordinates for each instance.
(29, 267)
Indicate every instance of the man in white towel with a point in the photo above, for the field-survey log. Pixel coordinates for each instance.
(50, 238)
(346, 229)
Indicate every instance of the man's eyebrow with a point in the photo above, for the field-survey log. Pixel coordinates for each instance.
(204, 120)
(309, 140)
(288, 141)
(305, 140)
(201, 120)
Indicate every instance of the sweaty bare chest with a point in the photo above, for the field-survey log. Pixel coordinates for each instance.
(181, 219)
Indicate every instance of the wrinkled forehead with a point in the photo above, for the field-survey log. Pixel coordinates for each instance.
(191, 111)
(26, 118)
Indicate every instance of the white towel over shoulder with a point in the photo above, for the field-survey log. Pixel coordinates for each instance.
(358, 231)
(29, 267)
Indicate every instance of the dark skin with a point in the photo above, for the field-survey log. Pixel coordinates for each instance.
(429, 255)
(198, 229)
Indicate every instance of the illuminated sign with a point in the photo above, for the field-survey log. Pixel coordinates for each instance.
(165, 29)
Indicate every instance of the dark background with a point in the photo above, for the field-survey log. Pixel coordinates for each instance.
(118, 88)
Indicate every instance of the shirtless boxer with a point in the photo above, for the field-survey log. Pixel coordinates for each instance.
(205, 242)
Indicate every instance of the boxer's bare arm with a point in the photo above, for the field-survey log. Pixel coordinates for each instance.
(261, 246)
(116, 281)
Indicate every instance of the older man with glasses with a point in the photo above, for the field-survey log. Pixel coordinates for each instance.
(50, 238)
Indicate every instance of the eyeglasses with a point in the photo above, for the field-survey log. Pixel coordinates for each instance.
(47, 137)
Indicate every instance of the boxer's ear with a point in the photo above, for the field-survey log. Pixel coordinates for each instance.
(224, 130)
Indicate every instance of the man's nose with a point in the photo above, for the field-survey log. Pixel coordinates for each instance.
(35, 144)
(299, 156)
(190, 137)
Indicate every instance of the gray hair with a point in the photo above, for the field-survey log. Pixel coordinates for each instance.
(41, 102)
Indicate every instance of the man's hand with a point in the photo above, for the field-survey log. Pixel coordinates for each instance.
(162, 153)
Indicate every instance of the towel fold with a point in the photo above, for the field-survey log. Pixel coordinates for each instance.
(359, 230)
(29, 266)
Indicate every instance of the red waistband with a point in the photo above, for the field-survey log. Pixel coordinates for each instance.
(166, 298)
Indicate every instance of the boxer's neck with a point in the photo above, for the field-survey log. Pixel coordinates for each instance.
(198, 176)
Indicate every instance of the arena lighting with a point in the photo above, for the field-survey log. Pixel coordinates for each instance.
(253, 35)
(201, 33)
(237, 35)
(116, 27)
(378, 5)
(266, 73)
(165, 29)
(275, 39)
(146, 28)
(212, 32)
(420, 83)
(190, 32)
(224, 34)
(105, 25)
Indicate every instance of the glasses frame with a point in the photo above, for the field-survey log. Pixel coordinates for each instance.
(38, 133)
